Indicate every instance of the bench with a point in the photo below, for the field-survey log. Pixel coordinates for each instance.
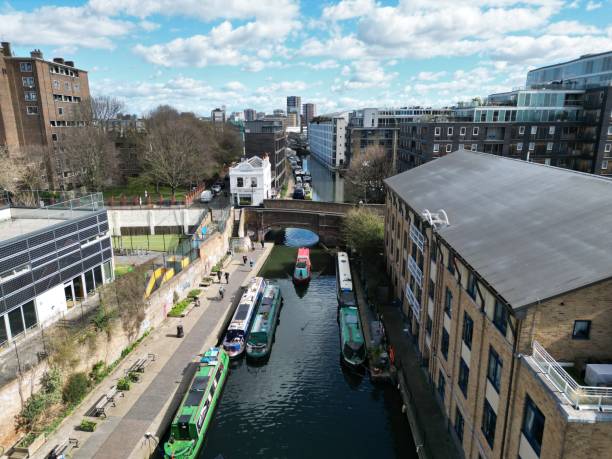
(99, 409)
(139, 365)
(63, 449)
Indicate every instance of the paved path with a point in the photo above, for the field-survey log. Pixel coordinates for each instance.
(426, 410)
(150, 404)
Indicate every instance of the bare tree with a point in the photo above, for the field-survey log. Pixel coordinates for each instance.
(23, 174)
(364, 178)
(177, 148)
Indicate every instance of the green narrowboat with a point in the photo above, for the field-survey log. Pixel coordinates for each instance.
(194, 416)
(261, 336)
(351, 336)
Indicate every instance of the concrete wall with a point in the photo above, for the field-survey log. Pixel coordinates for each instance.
(158, 305)
(121, 218)
(51, 303)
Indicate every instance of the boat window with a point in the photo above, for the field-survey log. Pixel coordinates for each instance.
(233, 334)
(301, 264)
(351, 320)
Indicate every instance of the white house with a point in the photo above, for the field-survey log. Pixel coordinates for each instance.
(251, 181)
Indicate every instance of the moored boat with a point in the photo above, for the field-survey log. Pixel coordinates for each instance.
(301, 273)
(195, 413)
(261, 335)
(344, 281)
(351, 336)
(237, 331)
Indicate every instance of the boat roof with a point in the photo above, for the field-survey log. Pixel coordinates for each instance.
(344, 272)
(261, 322)
(349, 319)
(241, 316)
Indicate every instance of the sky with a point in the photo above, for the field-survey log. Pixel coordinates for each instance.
(341, 55)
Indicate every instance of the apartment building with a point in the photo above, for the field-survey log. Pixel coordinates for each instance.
(39, 99)
(309, 111)
(217, 115)
(49, 258)
(251, 181)
(267, 137)
(508, 297)
(327, 138)
(294, 105)
(250, 114)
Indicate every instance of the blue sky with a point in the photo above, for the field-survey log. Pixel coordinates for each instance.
(199, 54)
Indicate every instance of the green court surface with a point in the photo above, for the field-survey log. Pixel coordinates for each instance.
(155, 243)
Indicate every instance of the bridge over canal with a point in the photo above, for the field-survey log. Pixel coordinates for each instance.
(322, 218)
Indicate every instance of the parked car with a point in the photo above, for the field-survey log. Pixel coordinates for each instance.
(206, 196)
(298, 193)
(216, 188)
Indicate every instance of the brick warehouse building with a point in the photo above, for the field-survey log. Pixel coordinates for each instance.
(38, 100)
(508, 300)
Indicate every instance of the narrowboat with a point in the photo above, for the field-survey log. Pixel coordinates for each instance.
(301, 273)
(344, 281)
(261, 335)
(196, 411)
(307, 192)
(351, 336)
(235, 338)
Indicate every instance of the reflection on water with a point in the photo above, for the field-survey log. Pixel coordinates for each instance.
(326, 185)
(303, 403)
(293, 237)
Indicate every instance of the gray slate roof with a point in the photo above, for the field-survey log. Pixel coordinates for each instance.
(531, 231)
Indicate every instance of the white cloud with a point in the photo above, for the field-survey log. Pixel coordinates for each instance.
(363, 75)
(324, 65)
(235, 86)
(347, 9)
(62, 26)
(593, 5)
(148, 25)
(430, 76)
(571, 28)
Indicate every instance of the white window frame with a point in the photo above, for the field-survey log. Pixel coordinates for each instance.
(604, 164)
(608, 147)
(531, 146)
(551, 130)
(519, 146)
(25, 66)
(534, 130)
(60, 111)
(56, 84)
(462, 130)
(29, 109)
(30, 96)
(449, 131)
(475, 131)
(449, 147)
(474, 147)
(437, 131)
(521, 130)
(436, 147)
(26, 82)
(549, 146)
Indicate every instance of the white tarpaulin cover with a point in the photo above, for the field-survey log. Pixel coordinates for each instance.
(598, 375)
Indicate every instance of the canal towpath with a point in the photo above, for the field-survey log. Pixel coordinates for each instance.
(134, 426)
(429, 425)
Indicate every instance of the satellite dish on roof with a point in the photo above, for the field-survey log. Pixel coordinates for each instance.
(436, 219)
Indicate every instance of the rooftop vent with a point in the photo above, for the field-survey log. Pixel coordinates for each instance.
(70, 63)
(36, 54)
(437, 219)
(58, 60)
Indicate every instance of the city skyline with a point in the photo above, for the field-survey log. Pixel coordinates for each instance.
(350, 54)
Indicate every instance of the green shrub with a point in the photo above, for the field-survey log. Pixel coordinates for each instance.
(194, 293)
(76, 388)
(102, 320)
(98, 372)
(87, 425)
(123, 384)
(178, 309)
(134, 376)
(32, 414)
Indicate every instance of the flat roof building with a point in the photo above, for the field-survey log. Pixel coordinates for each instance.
(50, 257)
(501, 281)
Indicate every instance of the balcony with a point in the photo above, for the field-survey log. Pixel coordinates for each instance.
(416, 272)
(570, 392)
(417, 237)
(414, 303)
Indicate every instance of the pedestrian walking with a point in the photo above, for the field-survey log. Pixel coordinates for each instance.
(219, 274)
(221, 291)
(226, 277)
(262, 243)
(251, 263)
(244, 259)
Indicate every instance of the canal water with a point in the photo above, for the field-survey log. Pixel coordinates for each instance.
(326, 185)
(303, 403)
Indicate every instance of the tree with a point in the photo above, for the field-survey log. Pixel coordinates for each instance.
(24, 175)
(177, 149)
(363, 230)
(365, 176)
(88, 148)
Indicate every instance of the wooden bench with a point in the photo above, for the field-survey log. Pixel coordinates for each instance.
(99, 409)
(63, 449)
(139, 365)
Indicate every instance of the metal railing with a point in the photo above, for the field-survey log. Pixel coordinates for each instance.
(580, 397)
(414, 303)
(417, 237)
(414, 269)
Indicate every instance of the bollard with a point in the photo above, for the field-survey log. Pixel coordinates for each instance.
(179, 331)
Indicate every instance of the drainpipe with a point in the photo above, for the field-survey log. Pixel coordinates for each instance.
(483, 317)
(510, 385)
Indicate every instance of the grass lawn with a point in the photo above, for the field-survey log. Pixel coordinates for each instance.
(136, 187)
(156, 242)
